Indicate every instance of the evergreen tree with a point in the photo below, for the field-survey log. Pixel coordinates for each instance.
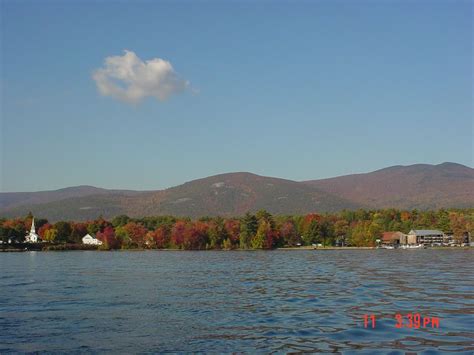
(248, 229)
(443, 221)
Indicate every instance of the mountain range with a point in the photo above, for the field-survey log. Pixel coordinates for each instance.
(420, 186)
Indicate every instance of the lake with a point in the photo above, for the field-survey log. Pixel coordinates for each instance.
(212, 301)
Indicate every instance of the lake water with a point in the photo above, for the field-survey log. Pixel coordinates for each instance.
(282, 301)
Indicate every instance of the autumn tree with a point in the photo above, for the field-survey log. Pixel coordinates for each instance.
(42, 230)
(216, 233)
(136, 234)
(195, 236)
(265, 215)
(108, 238)
(289, 234)
(359, 234)
(258, 240)
(51, 235)
(98, 225)
(458, 225)
(374, 232)
(159, 238)
(14, 228)
(40, 222)
(177, 234)
(232, 231)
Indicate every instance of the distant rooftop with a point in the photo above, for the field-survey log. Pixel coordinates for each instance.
(422, 232)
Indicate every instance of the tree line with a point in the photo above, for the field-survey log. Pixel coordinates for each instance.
(260, 230)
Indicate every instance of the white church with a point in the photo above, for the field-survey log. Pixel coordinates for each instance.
(32, 237)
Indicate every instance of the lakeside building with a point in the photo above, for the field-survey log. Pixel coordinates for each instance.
(450, 239)
(426, 237)
(90, 240)
(32, 237)
(394, 238)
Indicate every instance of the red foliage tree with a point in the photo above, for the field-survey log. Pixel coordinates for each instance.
(232, 228)
(160, 237)
(288, 233)
(108, 238)
(311, 217)
(98, 225)
(43, 229)
(195, 235)
(15, 227)
(177, 234)
(136, 232)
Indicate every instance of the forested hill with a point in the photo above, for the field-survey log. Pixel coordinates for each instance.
(13, 199)
(420, 186)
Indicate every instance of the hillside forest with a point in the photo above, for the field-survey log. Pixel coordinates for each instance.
(251, 231)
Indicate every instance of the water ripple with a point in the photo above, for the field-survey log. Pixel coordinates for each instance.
(302, 301)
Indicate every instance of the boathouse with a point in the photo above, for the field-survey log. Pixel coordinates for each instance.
(394, 238)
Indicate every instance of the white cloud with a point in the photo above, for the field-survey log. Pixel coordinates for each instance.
(130, 79)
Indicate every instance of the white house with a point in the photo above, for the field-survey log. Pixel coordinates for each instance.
(90, 240)
(32, 237)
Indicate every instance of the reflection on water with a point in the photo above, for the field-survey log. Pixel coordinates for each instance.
(235, 301)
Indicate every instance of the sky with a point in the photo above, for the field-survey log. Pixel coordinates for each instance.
(147, 95)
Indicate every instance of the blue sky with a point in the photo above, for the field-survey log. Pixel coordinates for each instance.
(298, 90)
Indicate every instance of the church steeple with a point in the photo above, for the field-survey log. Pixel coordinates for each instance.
(32, 237)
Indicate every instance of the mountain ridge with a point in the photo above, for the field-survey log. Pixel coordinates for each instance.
(422, 186)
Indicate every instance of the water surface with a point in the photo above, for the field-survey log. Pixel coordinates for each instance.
(281, 301)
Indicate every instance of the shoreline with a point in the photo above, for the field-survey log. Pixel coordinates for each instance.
(325, 248)
(302, 248)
